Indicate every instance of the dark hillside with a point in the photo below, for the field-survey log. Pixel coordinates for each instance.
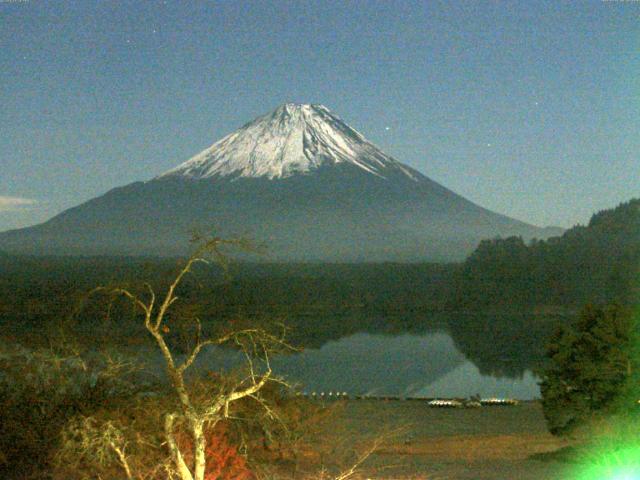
(596, 263)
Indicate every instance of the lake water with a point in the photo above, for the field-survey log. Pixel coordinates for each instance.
(408, 365)
(408, 355)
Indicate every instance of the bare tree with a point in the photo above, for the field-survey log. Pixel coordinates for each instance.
(157, 449)
(197, 414)
(103, 441)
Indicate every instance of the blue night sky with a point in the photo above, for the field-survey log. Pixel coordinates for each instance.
(528, 108)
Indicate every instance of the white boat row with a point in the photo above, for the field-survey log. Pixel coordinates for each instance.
(472, 402)
(499, 401)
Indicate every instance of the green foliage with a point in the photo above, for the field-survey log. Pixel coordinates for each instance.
(590, 364)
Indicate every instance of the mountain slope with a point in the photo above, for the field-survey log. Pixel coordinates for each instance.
(298, 179)
(293, 139)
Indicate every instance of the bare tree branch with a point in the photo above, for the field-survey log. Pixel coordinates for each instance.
(352, 470)
(255, 344)
(194, 354)
(181, 466)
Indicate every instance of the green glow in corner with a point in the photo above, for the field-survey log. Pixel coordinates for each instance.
(625, 475)
(615, 464)
(614, 453)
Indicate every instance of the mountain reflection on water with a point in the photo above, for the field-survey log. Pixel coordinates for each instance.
(490, 355)
(407, 365)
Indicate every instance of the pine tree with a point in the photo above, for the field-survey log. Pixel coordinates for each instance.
(590, 367)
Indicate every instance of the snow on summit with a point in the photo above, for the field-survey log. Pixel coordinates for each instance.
(293, 139)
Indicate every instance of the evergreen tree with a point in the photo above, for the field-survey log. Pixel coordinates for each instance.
(590, 366)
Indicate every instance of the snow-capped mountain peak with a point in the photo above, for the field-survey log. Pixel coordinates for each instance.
(295, 138)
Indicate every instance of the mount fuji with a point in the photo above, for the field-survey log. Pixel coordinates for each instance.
(299, 180)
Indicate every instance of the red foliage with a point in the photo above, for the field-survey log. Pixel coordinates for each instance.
(224, 462)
